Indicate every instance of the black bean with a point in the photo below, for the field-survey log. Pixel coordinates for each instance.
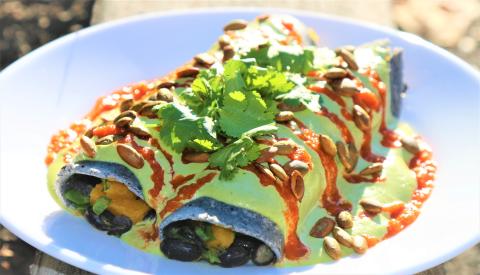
(234, 256)
(114, 225)
(188, 234)
(246, 242)
(180, 250)
(263, 255)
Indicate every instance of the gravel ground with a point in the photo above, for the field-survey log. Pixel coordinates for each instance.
(26, 25)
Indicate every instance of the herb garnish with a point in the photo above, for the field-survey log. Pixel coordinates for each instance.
(236, 104)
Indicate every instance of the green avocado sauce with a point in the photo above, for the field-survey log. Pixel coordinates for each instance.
(246, 191)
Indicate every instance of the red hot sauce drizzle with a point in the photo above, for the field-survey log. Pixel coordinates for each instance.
(401, 217)
(294, 248)
(390, 138)
(179, 180)
(149, 155)
(149, 235)
(331, 198)
(335, 97)
(186, 192)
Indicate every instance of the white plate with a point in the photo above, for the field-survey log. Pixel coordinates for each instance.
(58, 83)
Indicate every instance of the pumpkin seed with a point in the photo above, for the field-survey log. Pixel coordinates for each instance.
(298, 165)
(228, 53)
(139, 132)
(284, 116)
(188, 72)
(164, 94)
(126, 105)
(348, 57)
(335, 73)
(372, 169)
(235, 25)
(279, 182)
(88, 146)
(297, 185)
(105, 140)
(267, 139)
(344, 156)
(327, 145)
(224, 40)
(278, 171)
(204, 59)
(332, 248)
(371, 206)
(285, 147)
(136, 107)
(359, 244)
(263, 17)
(130, 113)
(89, 132)
(342, 236)
(166, 84)
(267, 154)
(361, 118)
(349, 48)
(124, 122)
(352, 154)
(130, 156)
(410, 144)
(265, 171)
(147, 108)
(293, 108)
(195, 157)
(347, 87)
(322, 227)
(344, 219)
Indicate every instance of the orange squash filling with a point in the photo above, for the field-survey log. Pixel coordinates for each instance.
(123, 201)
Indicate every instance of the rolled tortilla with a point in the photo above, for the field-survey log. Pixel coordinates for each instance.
(83, 175)
(237, 219)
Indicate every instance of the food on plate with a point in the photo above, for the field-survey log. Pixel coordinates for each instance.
(266, 149)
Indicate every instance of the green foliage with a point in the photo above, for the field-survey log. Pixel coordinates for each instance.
(182, 129)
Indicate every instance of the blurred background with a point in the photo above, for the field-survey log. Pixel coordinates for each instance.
(28, 24)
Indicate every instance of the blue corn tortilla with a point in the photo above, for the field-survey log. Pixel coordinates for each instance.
(85, 174)
(82, 175)
(237, 219)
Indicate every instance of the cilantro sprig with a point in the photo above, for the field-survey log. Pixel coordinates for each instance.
(182, 129)
(225, 108)
(241, 152)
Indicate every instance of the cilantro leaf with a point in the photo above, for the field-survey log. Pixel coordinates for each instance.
(234, 75)
(241, 152)
(268, 82)
(301, 95)
(282, 58)
(203, 95)
(237, 154)
(182, 129)
(243, 111)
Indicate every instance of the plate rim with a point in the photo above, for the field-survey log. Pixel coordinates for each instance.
(95, 266)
